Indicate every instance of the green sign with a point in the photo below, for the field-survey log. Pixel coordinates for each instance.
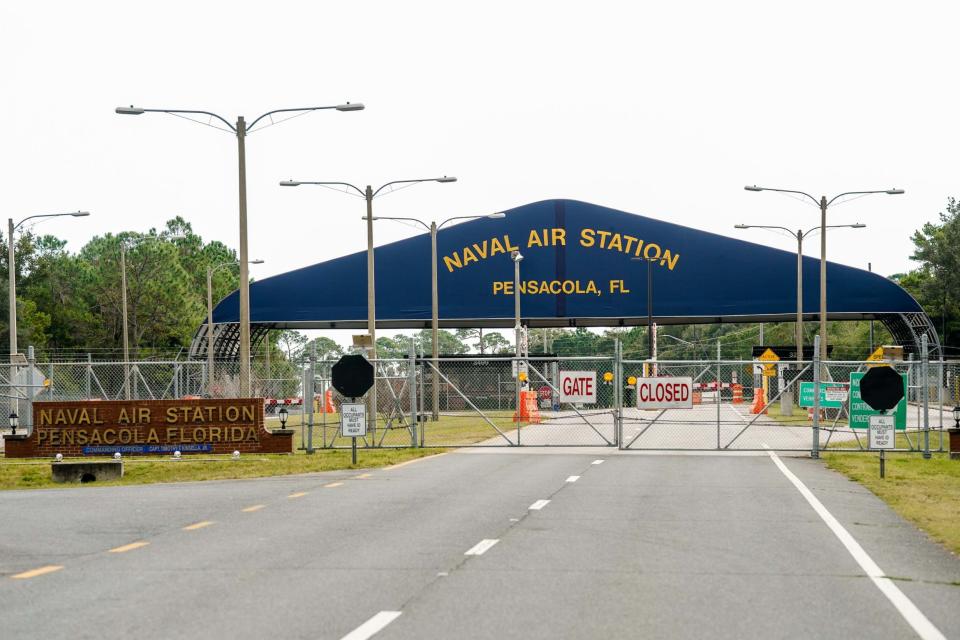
(860, 411)
(828, 399)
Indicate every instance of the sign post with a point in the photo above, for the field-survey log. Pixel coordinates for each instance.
(353, 423)
(882, 437)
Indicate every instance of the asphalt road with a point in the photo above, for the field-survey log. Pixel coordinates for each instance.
(722, 546)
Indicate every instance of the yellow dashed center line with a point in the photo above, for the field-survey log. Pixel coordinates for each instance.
(362, 476)
(333, 484)
(253, 508)
(198, 525)
(298, 494)
(33, 573)
(129, 547)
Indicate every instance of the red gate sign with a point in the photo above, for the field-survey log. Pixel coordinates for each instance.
(578, 387)
(665, 393)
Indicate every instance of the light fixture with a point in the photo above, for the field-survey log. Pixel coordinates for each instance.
(498, 215)
(446, 179)
(516, 256)
(289, 183)
(14, 422)
(117, 456)
(129, 111)
(59, 457)
(176, 455)
(894, 192)
(283, 413)
(956, 417)
(350, 106)
(236, 455)
(753, 188)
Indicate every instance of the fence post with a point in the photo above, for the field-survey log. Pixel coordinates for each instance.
(176, 380)
(31, 362)
(50, 378)
(925, 375)
(815, 446)
(719, 352)
(313, 384)
(89, 377)
(618, 393)
(412, 387)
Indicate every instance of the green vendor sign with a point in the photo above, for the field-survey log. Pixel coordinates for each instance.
(833, 395)
(860, 411)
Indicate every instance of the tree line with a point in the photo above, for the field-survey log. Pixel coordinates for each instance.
(70, 303)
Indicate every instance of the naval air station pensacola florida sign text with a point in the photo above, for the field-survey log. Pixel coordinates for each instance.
(148, 427)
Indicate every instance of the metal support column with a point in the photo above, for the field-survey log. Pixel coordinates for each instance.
(925, 375)
(815, 446)
(412, 388)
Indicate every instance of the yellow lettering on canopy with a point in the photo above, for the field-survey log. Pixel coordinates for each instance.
(468, 256)
(510, 247)
(586, 237)
(496, 247)
(670, 259)
(481, 249)
(654, 249)
(603, 238)
(639, 248)
(534, 239)
(452, 261)
(559, 236)
(630, 240)
(615, 243)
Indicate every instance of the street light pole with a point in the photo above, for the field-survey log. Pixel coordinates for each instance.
(800, 234)
(433, 228)
(210, 340)
(240, 129)
(368, 195)
(517, 257)
(12, 287)
(823, 203)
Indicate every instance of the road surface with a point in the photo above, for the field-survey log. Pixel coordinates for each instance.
(478, 544)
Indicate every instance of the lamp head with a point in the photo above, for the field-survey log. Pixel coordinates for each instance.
(80, 214)
(857, 225)
(753, 188)
(894, 192)
(740, 226)
(445, 179)
(350, 106)
(516, 256)
(497, 216)
(256, 262)
(290, 183)
(956, 416)
(129, 111)
(283, 417)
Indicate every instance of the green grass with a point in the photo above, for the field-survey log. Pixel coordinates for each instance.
(148, 470)
(926, 492)
(800, 419)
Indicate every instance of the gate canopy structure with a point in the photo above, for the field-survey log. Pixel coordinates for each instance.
(583, 265)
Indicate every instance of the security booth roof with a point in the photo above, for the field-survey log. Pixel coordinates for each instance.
(583, 265)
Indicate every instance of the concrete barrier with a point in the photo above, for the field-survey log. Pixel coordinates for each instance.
(86, 471)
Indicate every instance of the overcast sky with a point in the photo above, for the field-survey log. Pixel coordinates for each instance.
(661, 109)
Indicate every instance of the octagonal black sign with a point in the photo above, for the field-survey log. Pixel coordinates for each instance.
(881, 388)
(352, 376)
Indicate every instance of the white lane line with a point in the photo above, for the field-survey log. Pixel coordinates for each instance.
(481, 547)
(597, 462)
(914, 617)
(372, 626)
(572, 478)
(539, 504)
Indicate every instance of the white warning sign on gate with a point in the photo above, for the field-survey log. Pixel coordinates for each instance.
(578, 387)
(665, 393)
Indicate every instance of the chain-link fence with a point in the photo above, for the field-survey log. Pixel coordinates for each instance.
(483, 401)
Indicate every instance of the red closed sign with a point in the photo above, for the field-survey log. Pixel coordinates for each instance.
(665, 393)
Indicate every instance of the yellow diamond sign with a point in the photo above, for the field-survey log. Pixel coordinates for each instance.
(770, 359)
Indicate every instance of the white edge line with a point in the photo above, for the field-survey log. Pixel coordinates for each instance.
(597, 462)
(373, 625)
(539, 504)
(914, 617)
(481, 547)
(573, 478)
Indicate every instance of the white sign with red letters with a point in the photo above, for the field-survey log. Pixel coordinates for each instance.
(665, 393)
(578, 387)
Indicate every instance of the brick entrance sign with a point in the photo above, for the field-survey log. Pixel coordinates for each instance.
(148, 427)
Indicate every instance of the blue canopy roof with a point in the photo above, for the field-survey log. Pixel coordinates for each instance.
(580, 268)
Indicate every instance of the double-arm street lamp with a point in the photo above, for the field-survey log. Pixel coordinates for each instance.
(433, 227)
(823, 203)
(12, 279)
(241, 129)
(210, 271)
(369, 194)
(800, 234)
